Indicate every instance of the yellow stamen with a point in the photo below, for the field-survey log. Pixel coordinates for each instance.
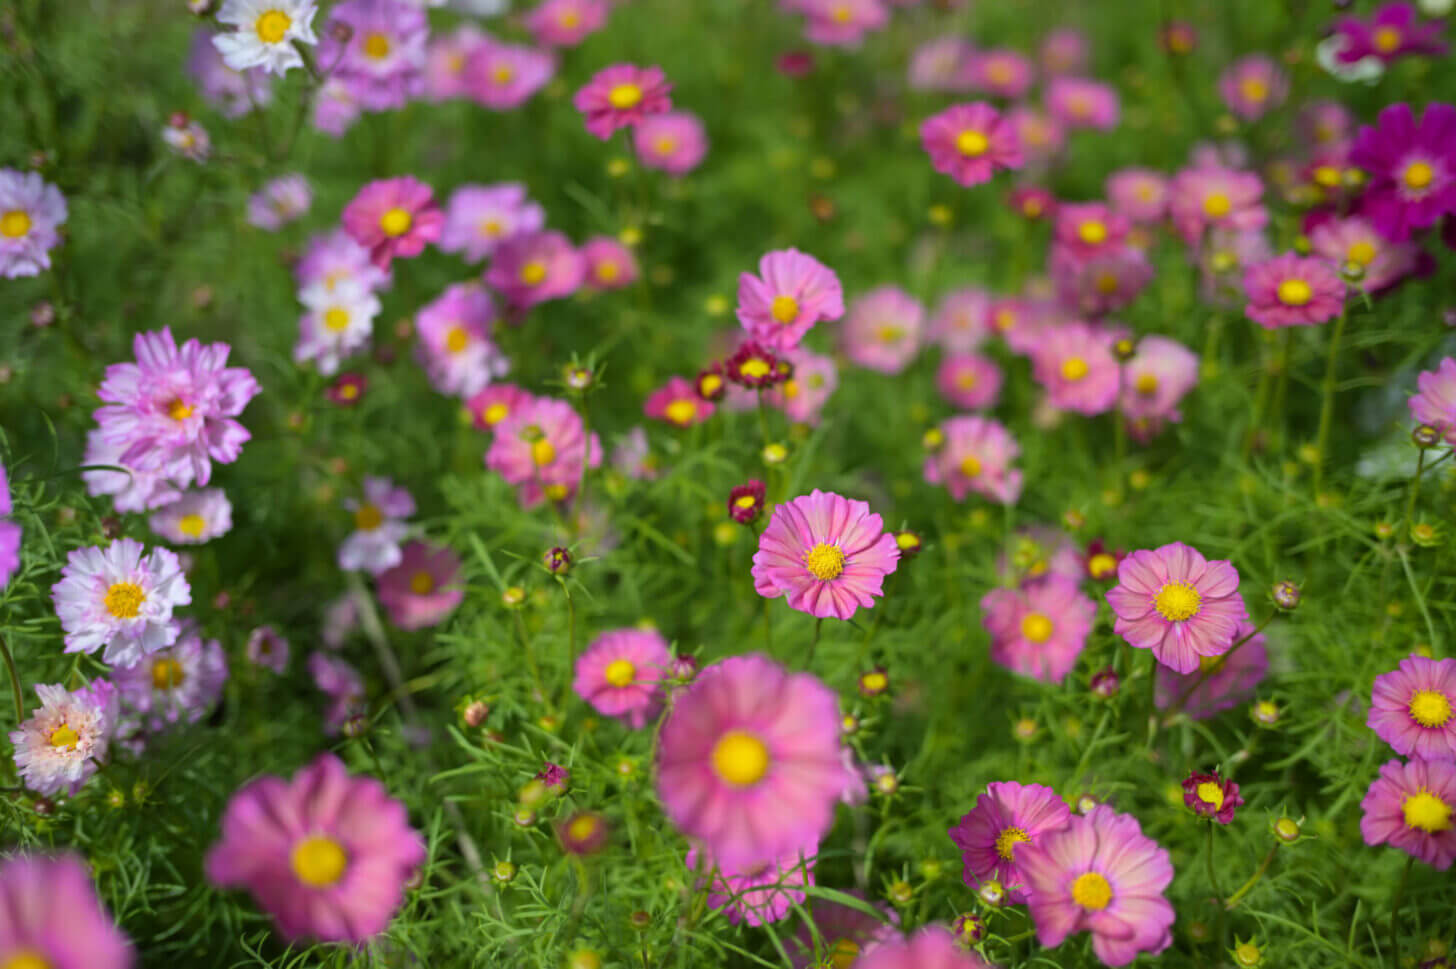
(889, 334)
(319, 861)
(1430, 708)
(396, 221)
(1426, 812)
(533, 273)
(1007, 841)
(167, 674)
(1146, 383)
(1036, 627)
(179, 410)
(755, 368)
(972, 143)
(64, 737)
(496, 413)
(502, 74)
(1387, 40)
(608, 271)
(1216, 205)
(1092, 891)
(824, 561)
(376, 45)
(191, 525)
(784, 309)
(1177, 601)
(625, 96)
(1101, 565)
(422, 583)
(620, 672)
(746, 501)
(1210, 793)
(1418, 175)
(272, 25)
(1092, 232)
(14, 224)
(1074, 368)
(1254, 89)
(543, 452)
(124, 600)
(368, 517)
(582, 828)
(740, 758)
(843, 953)
(970, 466)
(1362, 252)
(1294, 292)
(457, 339)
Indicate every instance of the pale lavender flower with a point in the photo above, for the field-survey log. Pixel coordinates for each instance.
(235, 93)
(196, 517)
(379, 527)
(31, 212)
(178, 684)
(268, 649)
(382, 63)
(131, 489)
(455, 345)
(281, 201)
(121, 597)
(478, 218)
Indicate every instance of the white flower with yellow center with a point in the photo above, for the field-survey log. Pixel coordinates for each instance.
(267, 33)
(339, 321)
(120, 597)
(198, 516)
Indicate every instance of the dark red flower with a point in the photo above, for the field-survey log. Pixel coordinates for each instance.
(348, 389)
(754, 365)
(1211, 796)
(745, 502)
(1101, 561)
(710, 385)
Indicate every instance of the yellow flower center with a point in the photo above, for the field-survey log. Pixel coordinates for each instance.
(319, 861)
(791, 389)
(496, 413)
(396, 221)
(1146, 383)
(1387, 40)
(607, 271)
(746, 501)
(568, 19)
(422, 583)
(681, 411)
(64, 736)
(1005, 320)
(624, 96)
(889, 333)
(1362, 252)
(490, 228)
(543, 452)
(825, 561)
(533, 273)
(1036, 627)
(621, 672)
(1224, 261)
(972, 143)
(665, 145)
(1092, 891)
(1418, 174)
(167, 674)
(1216, 205)
(457, 339)
(966, 379)
(1007, 841)
(1294, 292)
(1426, 812)
(1074, 368)
(785, 309)
(376, 45)
(1106, 283)
(179, 410)
(755, 367)
(14, 224)
(582, 828)
(1327, 176)
(1177, 601)
(191, 525)
(502, 74)
(740, 758)
(711, 384)
(842, 953)
(1101, 565)
(970, 466)
(1092, 232)
(875, 682)
(272, 25)
(1430, 708)
(1210, 793)
(1254, 89)
(124, 600)
(368, 517)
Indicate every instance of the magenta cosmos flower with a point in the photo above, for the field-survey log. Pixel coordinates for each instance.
(423, 588)
(1079, 102)
(843, 933)
(381, 59)
(975, 455)
(757, 894)
(970, 143)
(1393, 31)
(1087, 228)
(478, 218)
(1219, 682)
(495, 403)
(1100, 874)
(1435, 403)
(621, 674)
(59, 746)
(540, 448)
(10, 533)
(505, 76)
(620, 96)
(1354, 240)
(1040, 629)
(791, 293)
(1178, 604)
(1253, 86)
(1412, 168)
(750, 761)
(1216, 198)
(1001, 72)
(969, 381)
(842, 23)
(1411, 708)
(455, 345)
(1409, 807)
(678, 403)
(173, 410)
(50, 917)
(828, 555)
(675, 141)
(394, 217)
(1212, 796)
(532, 268)
(883, 329)
(31, 212)
(1074, 363)
(122, 597)
(1007, 816)
(932, 947)
(1104, 282)
(566, 23)
(1292, 290)
(608, 264)
(326, 854)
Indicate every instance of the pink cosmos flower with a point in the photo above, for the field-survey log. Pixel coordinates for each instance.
(540, 448)
(340, 620)
(883, 329)
(621, 674)
(622, 95)
(674, 141)
(1087, 228)
(1000, 72)
(678, 403)
(326, 854)
(1409, 807)
(10, 533)
(393, 217)
(969, 381)
(942, 64)
(749, 761)
(1040, 136)
(1435, 403)
(1411, 708)
(340, 682)
(382, 62)
(1140, 194)
(1292, 290)
(122, 597)
(379, 527)
(1157, 377)
(932, 947)
(1355, 241)
(478, 218)
(1076, 366)
(791, 293)
(1393, 31)
(1178, 604)
(1040, 629)
(970, 142)
(187, 138)
(1216, 197)
(632, 455)
(495, 403)
(529, 269)
(338, 322)
(335, 108)
(446, 59)
(976, 456)
(59, 746)
(1008, 815)
(268, 649)
(1102, 875)
(1064, 51)
(1253, 86)
(842, 23)
(423, 588)
(1079, 102)
(180, 683)
(54, 919)
(1231, 678)
(1032, 202)
(334, 257)
(962, 321)
(827, 554)
(279, 202)
(195, 517)
(455, 345)
(1038, 552)
(756, 894)
(505, 76)
(609, 264)
(844, 934)
(566, 23)
(1325, 122)
(133, 489)
(803, 395)
(1104, 282)
(172, 411)
(1212, 796)
(1412, 174)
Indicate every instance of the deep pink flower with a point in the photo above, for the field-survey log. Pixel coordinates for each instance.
(1212, 796)
(827, 554)
(622, 95)
(791, 293)
(675, 141)
(1393, 31)
(1411, 708)
(841, 23)
(608, 264)
(756, 894)
(1008, 815)
(1409, 807)
(495, 403)
(1087, 228)
(1253, 86)
(1230, 678)
(1412, 168)
(1104, 282)
(1076, 366)
(423, 588)
(393, 217)
(883, 329)
(1079, 102)
(53, 918)
(566, 23)
(678, 403)
(621, 674)
(976, 456)
(505, 76)
(1040, 629)
(1435, 402)
(1292, 290)
(1178, 604)
(969, 381)
(970, 143)
(529, 269)
(540, 448)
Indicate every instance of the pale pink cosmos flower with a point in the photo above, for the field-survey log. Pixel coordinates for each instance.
(333, 257)
(338, 322)
(931, 947)
(1292, 290)
(505, 76)
(942, 64)
(1178, 604)
(1082, 103)
(566, 23)
(621, 674)
(622, 95)
(188, 138)
(1039, 552)
(677, 402)
(756, 894)
(59, 746)
(478, 218)
(609, 264)
(1354, 240)
(1140, 194)
(179, 684)
(335, 108)
(962, 321)
(1411, 708)
(1064, 51)
(1040, 136)
(1087, 228)
(340, 682)
(1216, 197)
(1000, 72)
(423, 588)
(883, 329)
(533, 268)
(1104, 282)
(131, 489)
(31, 212)
(1409, 806)
(1040, 629)
(1007, 816)
(382, 61)
(842, 23)
(379, 527)
(674, 141)
(1253, 86)
(122, 597)
(803, 395)
(969, 381)
(234, 93)
(446, 60)
(455, 345)
(279, 202)
(791, 293)
(971, 142)
(393, 217)
(1076, 367)
(1435, 400)
(495, 403)
(632, 455)
(976, 455)
(828, 555)
(1154, 381)
(541, 448)
(197, 516)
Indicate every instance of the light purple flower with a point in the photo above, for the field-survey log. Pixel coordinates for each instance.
(1230, 680)
(122, 597)
(31, 212)
(342, 684)
(234, 93)
(504, 76)
(197, 516)
(383, 61)
(379, 527)
(338, 321)
(179, 684)
(268, 649)
(455, 345)
(59, 747)
(334, 257)
(1435, 401)
(478, 218)
(279, 202)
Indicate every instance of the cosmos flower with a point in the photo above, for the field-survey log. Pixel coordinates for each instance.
(1064, 51)
(338, 321)
(10, 533)
(976, 456)
(1040, 629)
(187, 138)
(268, 649)
(803, 396)
(340, 682)
(1409, 807)
(620, 674)
(678, 403)
(1104, 282)
(1005, 817)
(1219, 682)
(382, 61)
(234, 93)
(54, 919)
(31, 212)
(334, 257)
(1212, 796)
(495, 403)
(791, 293)
(1411, 708)
(59, 746)
(178, 684)
(1000, 72)
(423, 588)
(265, 32)
(1410, 166)
(1040, 135)
(883, 329)
(379, 527)
(1076, 366)
(478, 218)
(1178, 604)
(962, 321)
(1159, 375)
(1393, 31)
(446, 59)
(756, 894)
(393, 217)
(566, 23)
(620, 96)
(1204, 197)
(122, 597)
(674, 141)
(131, 489)
(455, 345)
(532, 268)
(828, 555)
(942, 64)
(931, 947)
(197, 516)
(971, 142)
(841, 23)
(503, 77)
(1079, 102)
(1139, 194)
(1253, 86)
(1084, 229)
(1292, 290)
(335, 107)
(280, 201)
(609, 264)
(540, 448)
(1434, 403)
(1354, 241)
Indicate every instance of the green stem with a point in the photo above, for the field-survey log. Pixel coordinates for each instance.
(1395, 912)
(14, 680)
(530, 655)
(1415, 490)
(1212, 878)
(1244, 889)
(1152, 699)
(1327, 406)
(814, 643)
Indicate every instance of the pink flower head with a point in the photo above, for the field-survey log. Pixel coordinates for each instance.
(749, 761)
(423, 588)
(180, 683)
(932, 947)
(674, 141)
(540, 448)
(942, 64)
(969, 381)
(446, 59)
(393, 217)
(1212, 796)
(1292, 290)
(197, 516)
(379, 527)
(335, 677)
(495, 403)
(621, 674)
(281, 201)
(1435, 403)
(59, 746)
(1087, 228)
(1411, 708)
(970, 142)
(173, 410)
(382, 62)
(54, 919)
(455, 345)
(883, 329)
(1253, 86)
(1355, 241)
(268, 649)
(1157, 377)
(335, 108)
(122, 597)
(1100, 874)
(844, 934)
(1140, 194)
(325, 853)
(1230, 678)
(1064, 51)
(976, 456)
(534, 268)
(609, 264)
(566, 23)
(1393, 31)
(791, 293)
(505, 76)
(234, 93)
(478, 218)
(1412, 168)
(622, 95)
(1040, 629)
(1409, 806)
(803, 395)
(332, 258)
(962, 321)
(678, 404)
(756, 894)
(1104, 282)
(1178, 604)
(1040, 136)
(1325, 122)
(132, 489)
(827, 554)
(1007, 816)
(1217, 197)
(842, 23)
(1032, 202)
(1076, 366)
(1001, 73)
(1081, 103)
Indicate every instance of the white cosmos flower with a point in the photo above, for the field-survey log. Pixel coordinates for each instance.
(338, 322)
(266, 30)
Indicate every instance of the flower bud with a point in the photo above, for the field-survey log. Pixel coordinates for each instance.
(557, 561)
(1426, 437)
(1286, 595)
